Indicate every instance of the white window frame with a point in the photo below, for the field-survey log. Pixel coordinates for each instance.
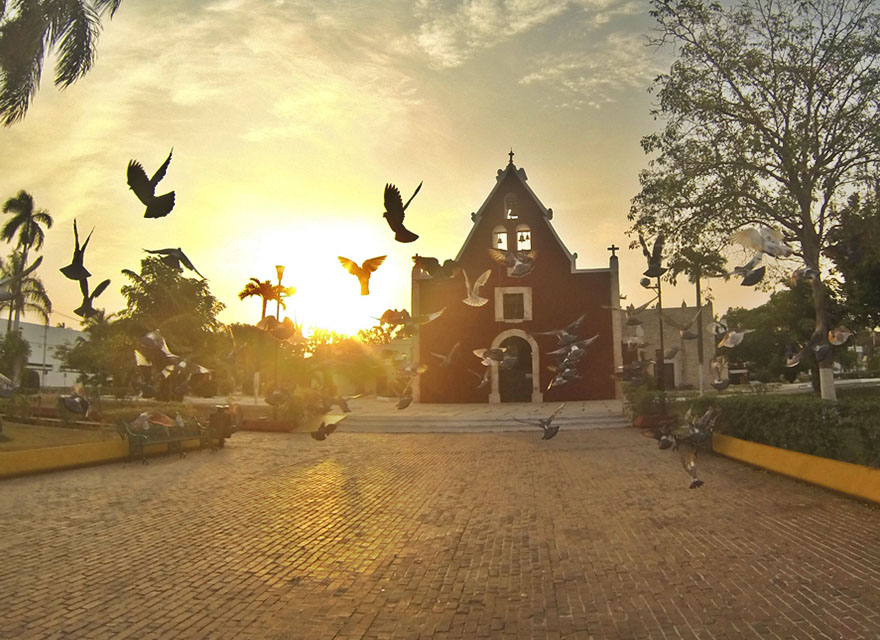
(499, 304)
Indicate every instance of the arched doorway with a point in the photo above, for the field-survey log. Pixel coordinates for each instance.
(515, 383)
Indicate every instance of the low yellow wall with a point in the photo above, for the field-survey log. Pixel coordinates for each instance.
(853, 479)
(15, 463)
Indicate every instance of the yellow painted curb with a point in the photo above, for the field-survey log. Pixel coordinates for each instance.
(852, 479)
(16, 463)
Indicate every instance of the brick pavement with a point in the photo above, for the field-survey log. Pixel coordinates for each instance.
(593, 534)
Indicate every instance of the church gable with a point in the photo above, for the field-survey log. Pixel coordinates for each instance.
(513, 218)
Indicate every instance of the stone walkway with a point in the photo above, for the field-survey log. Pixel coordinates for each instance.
(593, 534)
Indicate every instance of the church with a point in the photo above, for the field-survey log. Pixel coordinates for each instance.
(520, 310)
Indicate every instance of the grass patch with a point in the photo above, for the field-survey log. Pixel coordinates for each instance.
(19, 437)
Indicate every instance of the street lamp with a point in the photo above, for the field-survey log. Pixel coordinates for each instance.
(279, 269)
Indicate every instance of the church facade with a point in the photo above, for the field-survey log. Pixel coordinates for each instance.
(520, 309)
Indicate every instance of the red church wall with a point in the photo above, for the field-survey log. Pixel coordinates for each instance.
(558, 298)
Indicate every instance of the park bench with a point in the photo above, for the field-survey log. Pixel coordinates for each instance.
(210, 436)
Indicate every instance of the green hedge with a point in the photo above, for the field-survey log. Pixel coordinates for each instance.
(847, 430)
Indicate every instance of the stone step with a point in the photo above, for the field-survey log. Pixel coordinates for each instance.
(441, 424)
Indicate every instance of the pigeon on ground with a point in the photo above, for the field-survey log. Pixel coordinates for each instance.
(145, 189)
(7, 290)
(277, 397)
(434, 269)
(394, 213)
(654, 256)
(323, 431)
(764, 239)
(546, 425)
(86, 309)
(76, 270)
(362, 272)
(473, 298)
(74, 403)
(446, 360)
(174, 258)
(518, 263)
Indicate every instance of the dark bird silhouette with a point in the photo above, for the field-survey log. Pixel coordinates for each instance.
(434, 269)
(362, 272)
(654, 256)
(174, 258)
(751, 273)
(75, 270)
(401, 317)
(87, 310)
(145, 189)
(323, 431)
(7, 290)
(277, 396)
(484, 378)
(284, 330)
(549, 429)
(394, 209)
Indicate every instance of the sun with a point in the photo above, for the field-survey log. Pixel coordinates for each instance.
(327, 296)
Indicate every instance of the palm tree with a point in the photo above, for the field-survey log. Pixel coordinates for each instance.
(31, 29)
(263, 288)
(25, 223)
(32, 296)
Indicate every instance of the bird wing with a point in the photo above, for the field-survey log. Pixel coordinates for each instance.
(84, 287)
(749, 237)
(498, 255)
(188, 263)
(411, 197)
(657, 252)
(373, 263)
(350, 265)
(138, 181)
(100, 288)
(160, 172)
(393, 202)
(754, 262)
(141, 360)
(428, 317)
(555, 413)
(644, 244)
(161, 252)
(484, 277)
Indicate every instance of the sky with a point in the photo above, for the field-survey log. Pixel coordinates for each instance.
(288, 117)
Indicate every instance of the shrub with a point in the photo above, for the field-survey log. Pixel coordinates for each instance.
(847, 430)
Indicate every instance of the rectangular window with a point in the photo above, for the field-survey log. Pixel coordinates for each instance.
(514, 306)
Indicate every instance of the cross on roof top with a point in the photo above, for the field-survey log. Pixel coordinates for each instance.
(511, 155)
(613, 249)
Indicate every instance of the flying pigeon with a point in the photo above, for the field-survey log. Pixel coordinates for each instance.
(733, 338)
(86, 310)
(488, 356)
(654, 256)
(7, 291)
(764, 239)
(549, 429)
(145, 189)
(567, 334)
(394, 209)
(802, 274)
(284, 330)
(473, 298)
(751, 273)
(362, 272)
(793, 355)
(574, 351)
(434, 269)
(838, 335)
(277, 396)
(323, 431)
(446, 360)
(174, 258)
(484, 378)
(75, 270)
(401, 317)
(717, 366)
(519, 263)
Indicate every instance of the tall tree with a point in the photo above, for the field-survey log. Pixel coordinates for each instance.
(25, 226)
(32, 296)
(771, 115)
(32, 29)
(262, 288)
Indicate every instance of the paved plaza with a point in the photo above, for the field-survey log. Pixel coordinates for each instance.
(593, 534)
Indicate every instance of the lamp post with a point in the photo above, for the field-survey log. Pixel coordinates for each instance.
(279, 269)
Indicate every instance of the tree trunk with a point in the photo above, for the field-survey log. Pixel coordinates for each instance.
(17, 303)
(810, 246)
(265, 302)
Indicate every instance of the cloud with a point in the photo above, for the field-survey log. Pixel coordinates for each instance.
(598, 74)
(453, 31)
